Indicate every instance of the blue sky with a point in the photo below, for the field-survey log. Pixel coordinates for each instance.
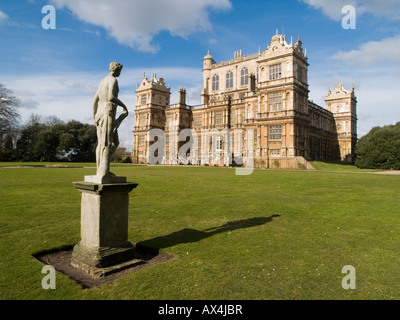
(55, 72)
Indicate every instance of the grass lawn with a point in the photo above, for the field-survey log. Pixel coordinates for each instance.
(274, 234)
(337, 166)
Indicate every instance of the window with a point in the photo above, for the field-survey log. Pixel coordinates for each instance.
(255, 137)
(243, 115)
(218, 142)
(142, 119)
(238, 141)
(197, 142)
(301, 134)
(275, 101)
(229, 79)
(197, 120)
(215, 82)
(170, 120)
(141, 140)
(275, 152)
(143, 99)
(300, 73)
(232, 117)
(275, 132)
(244, 77)
(218, 117)
(275, 72)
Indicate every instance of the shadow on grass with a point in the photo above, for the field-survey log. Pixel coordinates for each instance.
(146, 251)
(190, 235)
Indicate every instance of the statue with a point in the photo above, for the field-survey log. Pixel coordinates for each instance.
(105, 197)
(105, 105)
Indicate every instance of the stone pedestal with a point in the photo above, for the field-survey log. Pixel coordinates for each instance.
(104, 225)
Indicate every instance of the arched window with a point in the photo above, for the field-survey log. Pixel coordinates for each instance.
(229, 79)
(244, 77)
(215, 82)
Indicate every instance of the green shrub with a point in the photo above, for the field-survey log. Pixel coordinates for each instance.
(380, 148)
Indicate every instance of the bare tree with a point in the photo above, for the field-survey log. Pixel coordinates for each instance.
(9, 115)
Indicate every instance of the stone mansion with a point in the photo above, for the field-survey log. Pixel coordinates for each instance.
(253, 108)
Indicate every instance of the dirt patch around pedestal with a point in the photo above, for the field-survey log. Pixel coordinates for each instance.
(60, 259)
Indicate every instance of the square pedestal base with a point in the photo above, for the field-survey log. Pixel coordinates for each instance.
(103, 272)
(104, 226)
(102, 257)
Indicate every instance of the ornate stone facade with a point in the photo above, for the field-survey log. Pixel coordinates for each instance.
(253, 108)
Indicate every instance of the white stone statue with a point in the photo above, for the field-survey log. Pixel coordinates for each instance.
(105, 105)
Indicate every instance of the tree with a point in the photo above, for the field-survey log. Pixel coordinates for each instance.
(380, 148)
(28, 142)
(51, 139)
(121, 156)
(78, 141)
(9, 153)
(9, 115)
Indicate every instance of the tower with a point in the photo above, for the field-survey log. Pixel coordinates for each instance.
(152, 99)
(342, 103)
(178, 118)
(208, 62)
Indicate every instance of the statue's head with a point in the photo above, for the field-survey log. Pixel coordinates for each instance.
(115, 68)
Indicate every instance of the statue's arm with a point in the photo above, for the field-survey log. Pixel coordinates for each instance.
(112, 96)
(113, 88)
(95, 104)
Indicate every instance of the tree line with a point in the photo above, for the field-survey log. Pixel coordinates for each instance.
(50, 139)
(45, 139)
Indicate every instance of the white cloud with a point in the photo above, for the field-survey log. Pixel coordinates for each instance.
(372, 52)
(332, 8)
(135, 23)
(389, 9)
(383, 8)
(3, 16)
(26, 99)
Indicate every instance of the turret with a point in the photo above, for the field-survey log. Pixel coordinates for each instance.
(208, 61)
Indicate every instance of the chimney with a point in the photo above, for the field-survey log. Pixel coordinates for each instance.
(182, 96)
